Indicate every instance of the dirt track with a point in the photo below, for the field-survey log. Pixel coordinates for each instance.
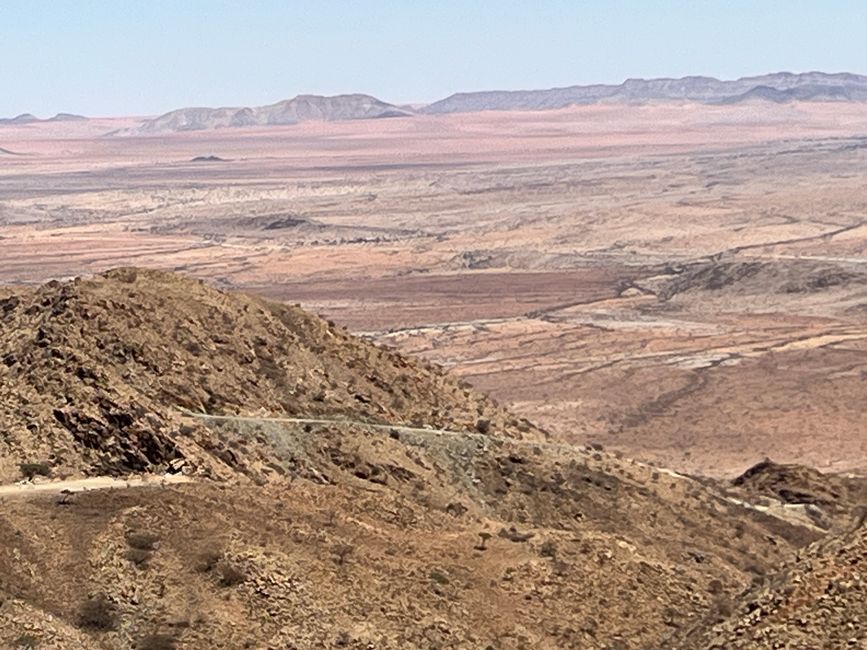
(87, 484)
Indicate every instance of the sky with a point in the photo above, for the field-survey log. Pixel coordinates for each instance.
(145, 57)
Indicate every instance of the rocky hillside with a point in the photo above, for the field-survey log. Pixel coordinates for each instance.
(340, 495)
(737, 282)
(94, 374)
(779, 87)
(302, 108)
(829, 500)
(819, 600)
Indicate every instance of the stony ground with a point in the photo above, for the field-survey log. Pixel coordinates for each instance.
(95, 374)
(458, 527)
(819, 600)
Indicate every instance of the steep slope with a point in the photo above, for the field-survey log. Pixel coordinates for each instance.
(544, 552)
(831, 501)
(397, 541)
(291, 111)
(94, 374)
(818, 598)
(779, 87)
(817, 601)
(465, 529)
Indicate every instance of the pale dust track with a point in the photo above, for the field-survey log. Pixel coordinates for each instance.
(91, 483)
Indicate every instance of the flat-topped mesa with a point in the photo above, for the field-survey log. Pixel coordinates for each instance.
(302, 108)
(777, 87)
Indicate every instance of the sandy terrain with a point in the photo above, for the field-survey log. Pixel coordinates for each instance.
(682, 283)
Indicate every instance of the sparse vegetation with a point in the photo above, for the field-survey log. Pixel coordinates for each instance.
(32, 470)
(207, 560)
(98, 613)
(548, 549)
(139, 557)
(569, 527)
(342, 552)
(230, 575)
(26, 642)
(157, 642)
(439, 577)
(142, 541)
(513, 535)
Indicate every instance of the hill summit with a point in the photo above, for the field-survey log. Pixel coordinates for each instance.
(96, 373)
(302, 108)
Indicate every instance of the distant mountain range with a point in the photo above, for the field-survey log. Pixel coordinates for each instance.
(778, 88)
(28, 118)
(303, 108)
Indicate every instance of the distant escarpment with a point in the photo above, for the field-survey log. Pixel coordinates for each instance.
(778, 87)
(302, 108)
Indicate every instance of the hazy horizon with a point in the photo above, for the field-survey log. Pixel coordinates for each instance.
(100, 59)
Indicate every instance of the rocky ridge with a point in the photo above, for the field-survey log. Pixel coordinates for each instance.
(400, 509)
(778, 88)
(819, 600)
(302, 108)
(95, 374)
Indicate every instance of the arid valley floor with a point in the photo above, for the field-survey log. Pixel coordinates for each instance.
(686, 284)
(634, 306)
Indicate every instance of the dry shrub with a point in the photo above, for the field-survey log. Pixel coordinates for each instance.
(97, 613)
(26, 642)
(207, 560)
(142, 541)
(138, 556)
(439, 577)
(230, 575)
(341, 552)
(157, 642)
(32, 470)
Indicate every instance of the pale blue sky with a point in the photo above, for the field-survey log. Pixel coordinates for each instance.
(120, 57)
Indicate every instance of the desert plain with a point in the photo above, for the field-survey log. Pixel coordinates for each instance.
(683, 284)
